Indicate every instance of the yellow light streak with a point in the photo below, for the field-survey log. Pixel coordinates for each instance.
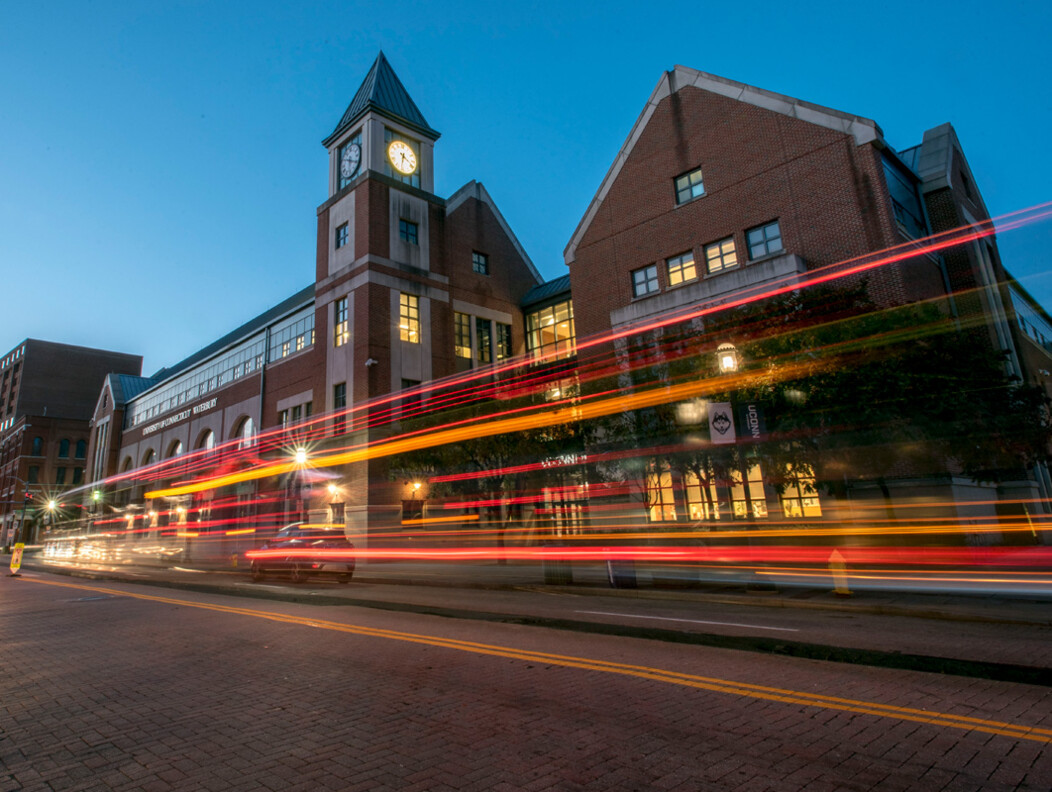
(454, 518)
(712, 684)
(460, 434)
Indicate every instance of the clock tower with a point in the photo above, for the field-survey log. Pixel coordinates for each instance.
(400, 271)
(382, 131)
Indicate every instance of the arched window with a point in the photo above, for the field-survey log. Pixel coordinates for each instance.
(207, 441)
(127, 465)
(176, 449)
(82, 449)
(63, 448)
(245, 432)
(38, 447)
(148, 458)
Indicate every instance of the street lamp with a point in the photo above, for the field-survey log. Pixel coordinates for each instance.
(727, 357)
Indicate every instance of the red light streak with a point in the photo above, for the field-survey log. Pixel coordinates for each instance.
(862, 556)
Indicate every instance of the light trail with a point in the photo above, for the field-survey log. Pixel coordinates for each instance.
(904, 556)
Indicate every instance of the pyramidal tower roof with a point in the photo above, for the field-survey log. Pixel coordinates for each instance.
(382, 92)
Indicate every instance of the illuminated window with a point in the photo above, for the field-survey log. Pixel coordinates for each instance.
(484, 340)
(407, 231)
(800, 497)
(285, 348)
(341, 335)
(551, 331)
(720, 256)
(681, 269)
(301, 341)
(503, 341)
(283, 418)
(644, 281)
(480, 263)
(409, 318)
(747, 497)
(341, 236)
(764, 240)
(462, 335)
(661, 497)
(702, 500)
(689, 186)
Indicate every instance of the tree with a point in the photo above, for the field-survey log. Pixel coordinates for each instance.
(848, 392)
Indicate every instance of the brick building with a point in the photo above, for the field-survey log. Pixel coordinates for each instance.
(720, 190)
(723, 190)
(409, 287)
(46, 394)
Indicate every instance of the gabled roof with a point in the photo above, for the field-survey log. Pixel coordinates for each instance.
(474, 189)
(863, 129)
(383, 93)
(125, 387)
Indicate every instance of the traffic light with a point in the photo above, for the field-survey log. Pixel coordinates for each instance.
(29, 496)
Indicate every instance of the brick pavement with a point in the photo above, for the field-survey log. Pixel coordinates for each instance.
(108, 693)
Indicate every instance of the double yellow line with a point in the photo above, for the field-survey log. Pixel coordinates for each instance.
(744, 689)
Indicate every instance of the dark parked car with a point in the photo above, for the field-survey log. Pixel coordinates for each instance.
(300, 550)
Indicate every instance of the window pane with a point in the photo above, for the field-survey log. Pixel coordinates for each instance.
(689, 186)
(681, 269)
(409, 318)
(462, 335)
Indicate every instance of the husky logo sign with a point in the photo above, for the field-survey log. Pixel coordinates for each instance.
(721, 423)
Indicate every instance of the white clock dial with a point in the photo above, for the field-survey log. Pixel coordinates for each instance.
(402, 157)
(349, 161)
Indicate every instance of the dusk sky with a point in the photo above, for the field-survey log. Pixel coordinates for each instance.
(161, 162)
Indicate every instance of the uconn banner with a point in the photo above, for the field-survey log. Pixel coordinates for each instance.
(721, 423)
(722, 426)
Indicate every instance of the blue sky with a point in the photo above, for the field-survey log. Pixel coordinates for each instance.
(161, 162)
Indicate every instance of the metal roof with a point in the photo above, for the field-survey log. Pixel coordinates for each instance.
(384, 93)
(548, 291)
(126, 387)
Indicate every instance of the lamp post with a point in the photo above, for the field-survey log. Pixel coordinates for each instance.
(301, 462)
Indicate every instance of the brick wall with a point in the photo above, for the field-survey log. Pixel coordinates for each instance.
(827, 193)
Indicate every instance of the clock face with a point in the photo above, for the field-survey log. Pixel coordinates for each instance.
(402, 157)
(349, 160)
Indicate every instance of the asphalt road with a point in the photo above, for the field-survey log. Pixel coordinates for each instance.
(118, 686)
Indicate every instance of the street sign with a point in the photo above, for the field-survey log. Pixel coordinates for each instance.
(16, 558)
